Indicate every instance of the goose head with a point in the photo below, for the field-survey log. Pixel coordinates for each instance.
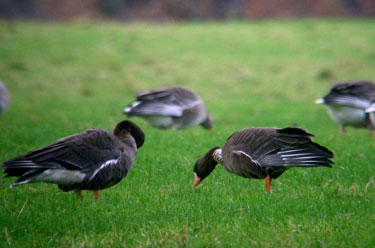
(123, 128)
(208, 123)
(205, 165)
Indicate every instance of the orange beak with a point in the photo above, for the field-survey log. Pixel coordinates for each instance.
(197, 180)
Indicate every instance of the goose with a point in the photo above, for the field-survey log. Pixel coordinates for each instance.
(264, 153)
(170, 107)
(92, 160)
(347, 103)
(4, 98)
(371, 111)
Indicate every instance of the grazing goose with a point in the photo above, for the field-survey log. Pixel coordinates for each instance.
(264, 153)
(173, 107)
(371, 111)
(347, 103)
(4, 98)
(93, 160)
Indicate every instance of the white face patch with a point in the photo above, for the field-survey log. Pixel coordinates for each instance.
(371, 108)
(217, 156)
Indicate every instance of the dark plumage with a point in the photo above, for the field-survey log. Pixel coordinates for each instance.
(93, 160)
(264, 153)
(347, 103)
(4, 98)
(173, 107)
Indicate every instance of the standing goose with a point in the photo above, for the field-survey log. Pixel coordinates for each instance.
(264, 153)
(173, 107)
(93, 160)
(371, 111)
(4, 98)
(347, 103)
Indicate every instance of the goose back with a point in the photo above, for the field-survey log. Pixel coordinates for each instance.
(347, 103)
(357, 94)
(256, 152)
(169, 107)
(93, 160)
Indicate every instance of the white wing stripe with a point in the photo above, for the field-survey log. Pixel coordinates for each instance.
(290, 151)
(247, 155)
(107, 163)
(295, 155)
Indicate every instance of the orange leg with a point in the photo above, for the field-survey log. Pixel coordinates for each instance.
(372, 133)
(268, 180)
(78, 193)
(342, 130)
(96, 194)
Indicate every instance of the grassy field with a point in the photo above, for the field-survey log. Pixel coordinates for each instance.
(66, 78)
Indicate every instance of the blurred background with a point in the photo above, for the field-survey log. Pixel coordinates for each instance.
(165, 10)
(70, 65)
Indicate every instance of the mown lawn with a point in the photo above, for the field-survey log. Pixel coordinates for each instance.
(65, 78)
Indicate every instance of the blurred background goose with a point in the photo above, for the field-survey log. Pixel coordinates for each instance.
(170, 107)
(4, 98)
(264, 153)
(93, 160)
(347, 103)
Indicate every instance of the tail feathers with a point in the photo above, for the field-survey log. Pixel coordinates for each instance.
(27, 177)
(128, 110)
(295, 132)
(311, 155)
(23, 162)
(141, 108)
(20, 166)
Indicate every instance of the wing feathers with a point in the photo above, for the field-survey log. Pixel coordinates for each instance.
(294, 132)
(154, 108)
(308, 155)
(347, 100)
(244, 165)
(172, 101)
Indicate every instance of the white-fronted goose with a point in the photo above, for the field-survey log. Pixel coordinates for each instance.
(264, 153)
(347, 103)
(4, 98)
(93, 160)
(371, 111)
(173, 107)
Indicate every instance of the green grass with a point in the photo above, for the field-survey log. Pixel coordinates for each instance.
(66, 78)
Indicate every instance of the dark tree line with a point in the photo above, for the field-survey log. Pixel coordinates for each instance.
(159, 10)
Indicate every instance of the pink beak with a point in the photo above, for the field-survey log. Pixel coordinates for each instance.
(197, 180)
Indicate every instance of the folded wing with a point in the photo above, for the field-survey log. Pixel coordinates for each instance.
(165, 102)
(65, 161)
